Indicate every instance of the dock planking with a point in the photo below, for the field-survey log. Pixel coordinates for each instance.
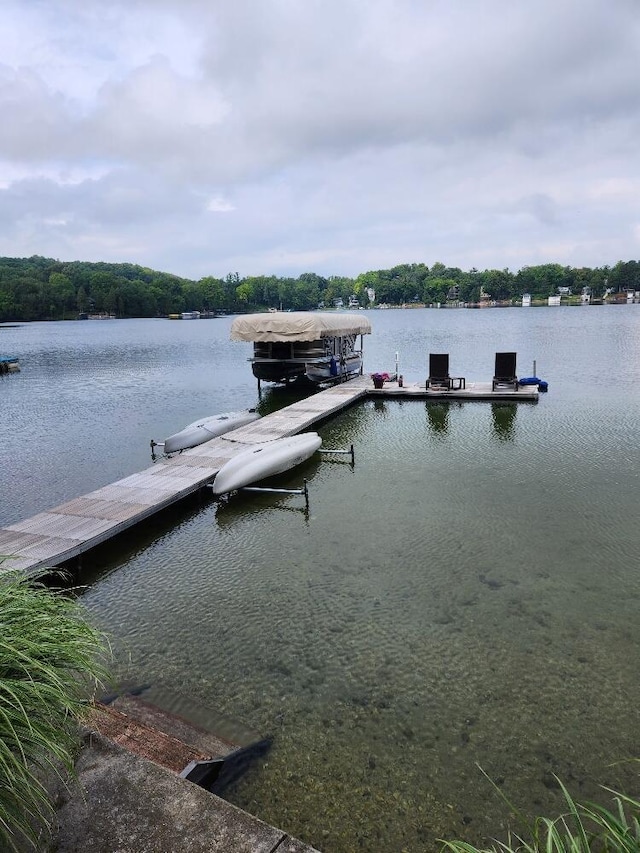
(74, 527)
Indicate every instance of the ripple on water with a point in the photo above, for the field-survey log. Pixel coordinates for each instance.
(465, 595)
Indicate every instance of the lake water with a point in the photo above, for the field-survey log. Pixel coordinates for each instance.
(466, 596)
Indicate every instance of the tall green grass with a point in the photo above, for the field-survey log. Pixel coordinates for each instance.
(583, 828)
(51, 660)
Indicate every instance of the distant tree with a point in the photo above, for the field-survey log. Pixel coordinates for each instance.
(244, 292)
(364, 281)
(62, 293)
(339, 287)
(38, 288)
(308, 291)
(211, 293)
(498, 283)
(437, 289)
(81, 300)
(625, 276)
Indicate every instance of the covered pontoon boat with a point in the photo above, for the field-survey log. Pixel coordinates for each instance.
(291, 345)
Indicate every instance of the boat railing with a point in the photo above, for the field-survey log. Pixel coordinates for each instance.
(307, 359)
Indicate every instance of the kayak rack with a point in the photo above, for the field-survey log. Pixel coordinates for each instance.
(153, 444)
(349, 452)
(305, 488)
(303, 491)
(169, 455)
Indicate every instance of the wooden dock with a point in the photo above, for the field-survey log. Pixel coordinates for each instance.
(69, 530)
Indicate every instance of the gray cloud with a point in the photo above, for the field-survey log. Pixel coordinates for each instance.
(266, 136)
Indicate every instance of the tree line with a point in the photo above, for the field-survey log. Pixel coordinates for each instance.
(38, 288)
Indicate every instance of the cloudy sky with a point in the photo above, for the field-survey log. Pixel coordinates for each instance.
(203, 137)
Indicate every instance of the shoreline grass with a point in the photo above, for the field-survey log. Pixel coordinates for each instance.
(51, 661)
(582, 828)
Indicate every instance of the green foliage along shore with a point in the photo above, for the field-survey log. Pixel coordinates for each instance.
(582, 828)
(40, 288)
(50, 663)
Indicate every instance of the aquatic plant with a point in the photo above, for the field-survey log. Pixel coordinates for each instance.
(51, 660)
(583, 828)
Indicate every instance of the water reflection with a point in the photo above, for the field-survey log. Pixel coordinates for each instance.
(504, 416)
(276, 397)
(380, 407)
(438, 417)
(229, 509)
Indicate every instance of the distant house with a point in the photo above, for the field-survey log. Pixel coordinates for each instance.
(555, 300)
(526, 300)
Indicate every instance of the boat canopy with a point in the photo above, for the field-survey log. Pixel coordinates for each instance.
(297, 326)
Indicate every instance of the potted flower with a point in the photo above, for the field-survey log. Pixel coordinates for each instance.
(378, 380)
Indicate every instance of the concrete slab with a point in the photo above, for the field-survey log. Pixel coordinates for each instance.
(126, 804)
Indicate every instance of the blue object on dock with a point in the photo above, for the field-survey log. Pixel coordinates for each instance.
(533, 380)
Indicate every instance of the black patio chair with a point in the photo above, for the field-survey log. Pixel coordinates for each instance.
(504, 374)
(439, 371)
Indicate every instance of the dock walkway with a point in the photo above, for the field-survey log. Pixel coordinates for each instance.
(72, 528)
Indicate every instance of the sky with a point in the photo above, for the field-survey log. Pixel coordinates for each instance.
(276, 137)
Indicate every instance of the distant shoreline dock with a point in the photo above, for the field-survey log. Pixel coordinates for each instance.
(9, 364)
(71, 529)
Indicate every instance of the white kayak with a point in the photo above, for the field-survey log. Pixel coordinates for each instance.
(207, 428)
(265, 460)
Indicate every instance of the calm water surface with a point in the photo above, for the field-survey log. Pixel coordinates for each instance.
(467, 595)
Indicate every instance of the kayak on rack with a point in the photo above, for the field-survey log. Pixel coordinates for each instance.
(265, 460)
(207, 428)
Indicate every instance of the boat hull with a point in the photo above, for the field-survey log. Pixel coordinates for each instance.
(311, 367)
(334, 369)
(323, 359)
(277, 371)
(207, 428)
(265, 460)
(9, 364)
